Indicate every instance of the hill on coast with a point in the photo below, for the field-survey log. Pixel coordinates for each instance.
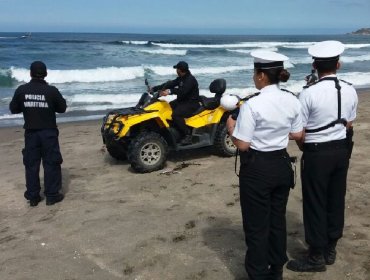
(362, 31)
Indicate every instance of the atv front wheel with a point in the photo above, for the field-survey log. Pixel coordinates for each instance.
(223, 144)
(147, 152)
(116, 150)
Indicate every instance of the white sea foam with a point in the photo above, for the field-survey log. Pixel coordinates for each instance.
(11, 116)
(108, 74)
(103, 98)
(220, 70)
(165, 52)
(274, 45)
(111, 74)
(343, 58)
(135, 42)
(92, 108)
(297, 45)
(356, 78)
(166, 71)
(239, 45)
(356, 46)
(351, 59)
(301, 60)
(240, 51)
(346, 59)
(250, 50)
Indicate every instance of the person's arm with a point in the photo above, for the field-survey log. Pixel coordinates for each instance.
(353, 113)
(298, 137)
(243, 128)
(14, 105)
(296, 132)
(60, 103)
(167, 85)
(304, 113)
(241, 145)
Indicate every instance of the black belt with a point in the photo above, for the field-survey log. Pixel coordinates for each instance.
(331, 145)
(270, 154)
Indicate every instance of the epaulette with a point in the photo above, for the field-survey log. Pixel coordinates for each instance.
(250, 96)
(345, 82)
(291, 92)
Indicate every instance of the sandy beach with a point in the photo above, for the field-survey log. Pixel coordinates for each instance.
(116, 224)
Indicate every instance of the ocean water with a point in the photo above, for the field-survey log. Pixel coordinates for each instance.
(100, 72)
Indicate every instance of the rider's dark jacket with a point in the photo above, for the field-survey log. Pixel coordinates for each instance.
(186, 88)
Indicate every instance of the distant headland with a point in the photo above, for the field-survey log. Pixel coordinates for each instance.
(362, 31)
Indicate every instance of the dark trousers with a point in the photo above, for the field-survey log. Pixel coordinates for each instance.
(324, 179)
(42, 144)
(265, 180)
(180, 111)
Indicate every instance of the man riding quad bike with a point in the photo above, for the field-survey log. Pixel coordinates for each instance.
(186, 89)
(145, 134)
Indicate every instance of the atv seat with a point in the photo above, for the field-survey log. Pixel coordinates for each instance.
(210, 103)
(207, 103)
(217, 87)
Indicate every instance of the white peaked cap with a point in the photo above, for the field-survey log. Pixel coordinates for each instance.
(268, 59)
(326, 49)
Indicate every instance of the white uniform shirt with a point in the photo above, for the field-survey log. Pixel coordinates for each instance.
(266, 120)
(320, 107)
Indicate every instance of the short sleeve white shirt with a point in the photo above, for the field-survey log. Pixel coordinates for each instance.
(320, 107)
(266, 120)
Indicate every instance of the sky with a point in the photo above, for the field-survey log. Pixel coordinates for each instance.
(185, 17)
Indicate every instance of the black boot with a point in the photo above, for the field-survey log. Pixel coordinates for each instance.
(330, 253)
(315, 262)
(54, 199)
(34, 201)
(276, 272)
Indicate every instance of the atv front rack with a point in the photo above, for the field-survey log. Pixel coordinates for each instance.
(118, 113)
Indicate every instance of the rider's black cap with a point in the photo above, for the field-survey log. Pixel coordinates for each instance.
(38, 69)
(182, 65)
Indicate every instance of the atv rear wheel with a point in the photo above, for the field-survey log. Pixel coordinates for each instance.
(223, 143)
(147, 152)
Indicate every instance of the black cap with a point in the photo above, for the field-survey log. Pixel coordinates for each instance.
(182, 65)
(38, 69)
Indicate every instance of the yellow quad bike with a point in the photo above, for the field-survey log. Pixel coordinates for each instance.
(144, 134)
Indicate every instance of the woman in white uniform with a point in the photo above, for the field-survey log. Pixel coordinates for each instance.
(261, 132)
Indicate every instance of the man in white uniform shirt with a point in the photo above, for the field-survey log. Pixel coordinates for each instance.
(328, 110)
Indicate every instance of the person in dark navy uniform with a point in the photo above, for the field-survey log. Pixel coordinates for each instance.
(39, 102)
(186, 88)
(311, 78)
(261, 132)
(328, 110)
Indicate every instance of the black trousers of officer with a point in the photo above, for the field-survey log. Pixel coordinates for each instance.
(180, 111)
(42, 144)
(324, 179)
(265, 180)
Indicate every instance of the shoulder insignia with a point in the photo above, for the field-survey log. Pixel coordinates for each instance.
(294, 94)
(250, 96)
